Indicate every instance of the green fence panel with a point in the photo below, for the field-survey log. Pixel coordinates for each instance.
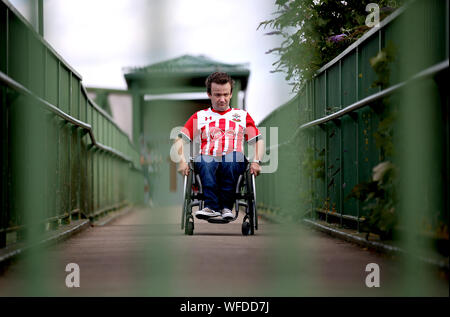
(320, 154)
(349, 77)
(345, 145)
(333, 91)
(390, 36)
(366, 75)
(349, 163)
(333, 165)
(37, 64)
(51, 81)
(78, 160)
(64, 88)
(75, 92)
(53, 189)
(18, 62)
(320, 91)
(3, 39)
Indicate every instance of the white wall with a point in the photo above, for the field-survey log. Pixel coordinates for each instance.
(121, 108)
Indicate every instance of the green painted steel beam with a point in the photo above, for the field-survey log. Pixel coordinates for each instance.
(41, 17)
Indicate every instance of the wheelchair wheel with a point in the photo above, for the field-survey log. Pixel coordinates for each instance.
(255, 214)
(189, 228)
(251, 217)
(246, 228)
(185, 212)
(251, 204)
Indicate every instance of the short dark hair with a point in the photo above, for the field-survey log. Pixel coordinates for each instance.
(220, 78)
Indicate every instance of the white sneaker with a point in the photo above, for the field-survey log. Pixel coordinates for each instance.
(206, 213)
(227, 214)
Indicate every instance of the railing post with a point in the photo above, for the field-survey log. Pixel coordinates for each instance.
(325, 131)
(41, 17)
(4, 185)
(313, 101)
(358, 204)
(341, 164)
(70, 132)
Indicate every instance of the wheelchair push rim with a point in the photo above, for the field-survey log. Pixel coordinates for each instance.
(250, 222)
(183, 211)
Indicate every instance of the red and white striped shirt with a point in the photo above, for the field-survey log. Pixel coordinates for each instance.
(221, 132)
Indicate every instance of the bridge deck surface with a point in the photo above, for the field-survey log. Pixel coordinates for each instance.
(145, 253)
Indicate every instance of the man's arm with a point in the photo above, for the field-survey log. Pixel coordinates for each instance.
(255, 168)
(183, 166)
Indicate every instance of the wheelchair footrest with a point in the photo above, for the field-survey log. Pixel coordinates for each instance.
(218, 220)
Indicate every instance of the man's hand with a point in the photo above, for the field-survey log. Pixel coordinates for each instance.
(255, 169)
(183, 168)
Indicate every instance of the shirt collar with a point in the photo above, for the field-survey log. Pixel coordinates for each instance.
(220, 112)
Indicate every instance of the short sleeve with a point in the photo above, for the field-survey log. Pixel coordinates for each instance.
(251, 131)
(188, 132)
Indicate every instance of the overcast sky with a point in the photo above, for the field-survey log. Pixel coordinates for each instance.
(101, 37)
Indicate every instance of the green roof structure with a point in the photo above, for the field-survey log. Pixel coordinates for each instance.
(189, 64)
(183, 74)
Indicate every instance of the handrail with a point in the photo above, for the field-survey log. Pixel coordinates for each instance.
(11, 83)
(113, 151)
(107, 116)
(437, 68)
(99, 109)
(64, 63)
(381, 94)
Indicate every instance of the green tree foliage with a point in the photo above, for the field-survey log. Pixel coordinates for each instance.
(316, 31)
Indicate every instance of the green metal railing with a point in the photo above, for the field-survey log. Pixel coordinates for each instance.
(336, 114)
(62, 156)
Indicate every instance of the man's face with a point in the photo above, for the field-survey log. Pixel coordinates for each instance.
(220, 96)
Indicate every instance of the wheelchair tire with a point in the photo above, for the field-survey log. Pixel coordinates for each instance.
(251, 204)
(185, 213)
(251, 218)
(255, 214)
(189, 227)
(246, 228)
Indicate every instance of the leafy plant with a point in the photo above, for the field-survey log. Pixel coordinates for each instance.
(312, 166)
(381, 65)
(379, 197)
(385, 132)
(316, 31)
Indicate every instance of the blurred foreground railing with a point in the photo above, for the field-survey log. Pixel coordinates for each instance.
(62, 156)
(328, 133)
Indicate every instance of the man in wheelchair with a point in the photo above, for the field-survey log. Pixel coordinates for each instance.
(222, 131)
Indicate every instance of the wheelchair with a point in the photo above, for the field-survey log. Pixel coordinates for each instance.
(245, 196)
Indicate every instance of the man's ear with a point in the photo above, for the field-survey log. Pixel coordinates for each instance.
(209, 95)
